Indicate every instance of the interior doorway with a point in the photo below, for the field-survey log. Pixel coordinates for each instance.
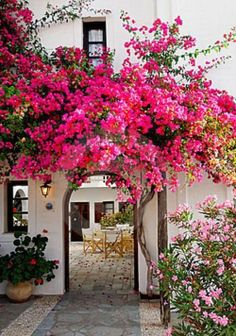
(80, 216)
(77, 216)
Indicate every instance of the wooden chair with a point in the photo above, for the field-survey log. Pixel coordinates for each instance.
(113, 243)
(128, 242)
(98, 241)
(87, 240)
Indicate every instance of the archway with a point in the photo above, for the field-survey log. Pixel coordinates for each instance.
(66, 203)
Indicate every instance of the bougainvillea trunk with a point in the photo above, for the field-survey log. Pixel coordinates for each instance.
(162, 246)
(145, 199)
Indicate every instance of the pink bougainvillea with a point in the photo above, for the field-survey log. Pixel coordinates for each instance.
(159, 116)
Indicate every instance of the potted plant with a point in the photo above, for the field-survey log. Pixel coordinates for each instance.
(108, 220)
(25, 266)
(122, 217)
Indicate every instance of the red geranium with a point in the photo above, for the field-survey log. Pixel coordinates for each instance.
(28, 261)
(33, 261)
(38, 282)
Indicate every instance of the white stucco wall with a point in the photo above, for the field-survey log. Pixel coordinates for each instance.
(39, 219)
(71, 34)
(207, 21)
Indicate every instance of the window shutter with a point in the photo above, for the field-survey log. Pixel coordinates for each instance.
(99, 211)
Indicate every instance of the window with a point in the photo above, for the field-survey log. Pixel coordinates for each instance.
(102, 208)
(17, 206)
(94, 40)
(108, 207)
(122, 206)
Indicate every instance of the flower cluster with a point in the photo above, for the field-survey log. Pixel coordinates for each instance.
(158, 116)
(198, 271)
(27, 262)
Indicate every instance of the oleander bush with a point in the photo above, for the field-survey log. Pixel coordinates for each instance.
(198, 271)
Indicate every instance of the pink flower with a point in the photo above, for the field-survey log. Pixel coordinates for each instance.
(190, 289)
(224, 321)
(168, 332)
(196, 303)
(202, 293)
(178, 21)
(161, 256)
(221, 320)
(208, 301)
(220, 270)
(174, 278)
(216, 293)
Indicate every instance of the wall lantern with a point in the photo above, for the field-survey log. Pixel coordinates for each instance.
(45, 188)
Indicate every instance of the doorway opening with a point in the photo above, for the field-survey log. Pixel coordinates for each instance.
(98, 264)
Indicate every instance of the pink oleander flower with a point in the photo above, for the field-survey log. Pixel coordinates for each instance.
(190, 289)
(168, 332)
(196, 304)
(161, 256)
(216, 293)
(221, 320)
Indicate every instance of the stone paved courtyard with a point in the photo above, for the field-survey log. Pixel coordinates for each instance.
(92, 272)
(101, 302)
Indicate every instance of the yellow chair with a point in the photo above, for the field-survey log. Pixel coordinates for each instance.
(98, 241)
(128, 242)
(87, 240)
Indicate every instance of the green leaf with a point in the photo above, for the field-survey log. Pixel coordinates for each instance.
(16, 242)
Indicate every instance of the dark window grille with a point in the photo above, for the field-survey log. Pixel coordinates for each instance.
(94, 40)
(17, 204)
(108, 207)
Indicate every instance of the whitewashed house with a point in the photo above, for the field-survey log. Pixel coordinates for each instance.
(206, 20)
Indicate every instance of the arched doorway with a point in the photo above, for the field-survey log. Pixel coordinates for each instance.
(66, 206)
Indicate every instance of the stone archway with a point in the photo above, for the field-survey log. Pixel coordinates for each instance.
(66, 201)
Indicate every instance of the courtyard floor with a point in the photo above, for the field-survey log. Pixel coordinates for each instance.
(100, 302)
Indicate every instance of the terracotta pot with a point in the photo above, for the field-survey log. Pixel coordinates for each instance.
(19, 293)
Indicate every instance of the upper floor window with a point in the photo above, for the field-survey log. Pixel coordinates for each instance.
(17, 206)
(94, 40)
